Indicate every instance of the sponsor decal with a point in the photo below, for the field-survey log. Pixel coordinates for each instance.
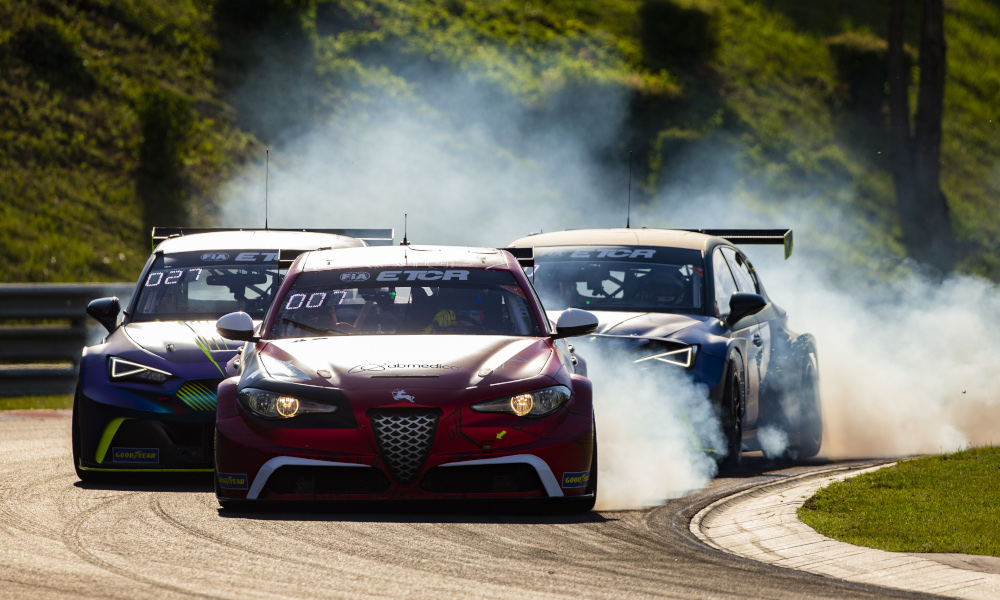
(232, 481)
(257, 257)
(576, 480)
(384, 367)
(400, 395)
(214, 256)
(354, 276)
(408, 275)
(135, 455)
(615, 253)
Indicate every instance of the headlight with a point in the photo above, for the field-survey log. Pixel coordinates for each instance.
(529, 404)
(124, 370)
(272, 405)
(682, 358)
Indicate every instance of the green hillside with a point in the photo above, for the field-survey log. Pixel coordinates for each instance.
(116, 115)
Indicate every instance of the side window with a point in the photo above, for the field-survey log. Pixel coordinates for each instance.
(725, 285)
(742, 270)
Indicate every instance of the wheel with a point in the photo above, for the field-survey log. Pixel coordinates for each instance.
(587, 502)
(810, 423)
(732, 410)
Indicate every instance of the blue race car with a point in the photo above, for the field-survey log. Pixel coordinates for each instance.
(146, 396)
(690, 300)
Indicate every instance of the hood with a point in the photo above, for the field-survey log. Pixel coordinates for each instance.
(183, 341)
(649, 324)
(406, 361)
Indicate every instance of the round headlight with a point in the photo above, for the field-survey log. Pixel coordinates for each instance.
(521, 404)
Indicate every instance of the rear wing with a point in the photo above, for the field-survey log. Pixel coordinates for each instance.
(525, 256)
(372, 237)
(778, 237)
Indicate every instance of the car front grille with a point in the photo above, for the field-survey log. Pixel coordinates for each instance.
(404, 439)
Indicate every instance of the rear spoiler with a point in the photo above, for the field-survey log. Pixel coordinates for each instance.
(525, 256)
(372, 237)
(782, 237)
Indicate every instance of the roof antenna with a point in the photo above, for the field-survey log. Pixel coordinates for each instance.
(405, 242)
(267, 166)
(628, 214)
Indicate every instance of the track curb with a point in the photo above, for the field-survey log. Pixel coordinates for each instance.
(761, 524)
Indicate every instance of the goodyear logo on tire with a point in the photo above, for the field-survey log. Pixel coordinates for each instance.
(232, 481)
(135, 455)
(576, 480)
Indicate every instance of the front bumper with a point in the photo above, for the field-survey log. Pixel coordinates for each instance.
(470, 456)
(144, 427)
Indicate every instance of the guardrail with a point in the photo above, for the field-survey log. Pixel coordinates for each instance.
(43, 329)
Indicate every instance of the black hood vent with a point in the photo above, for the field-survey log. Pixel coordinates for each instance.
(404, 439)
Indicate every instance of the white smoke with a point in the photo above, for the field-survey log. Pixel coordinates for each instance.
(657, 434)
(906, 361)
(773, 441)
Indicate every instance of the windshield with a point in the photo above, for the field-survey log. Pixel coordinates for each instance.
(190, 286)
(625, 278)
(414, 301)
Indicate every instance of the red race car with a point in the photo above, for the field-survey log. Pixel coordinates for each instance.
(409, 372)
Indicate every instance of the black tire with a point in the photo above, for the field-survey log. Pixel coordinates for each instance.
(586, 503)
(732, 412)
(810, 424)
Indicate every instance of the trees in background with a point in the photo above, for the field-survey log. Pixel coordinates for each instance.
(916, 151)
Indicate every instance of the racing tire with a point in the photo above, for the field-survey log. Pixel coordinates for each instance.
(732, 412)
(586, 502)
(810, 422)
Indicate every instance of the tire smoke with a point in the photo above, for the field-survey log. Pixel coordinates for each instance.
(905, 359)
(657, 435)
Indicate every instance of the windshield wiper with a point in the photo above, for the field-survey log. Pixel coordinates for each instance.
(311, 328)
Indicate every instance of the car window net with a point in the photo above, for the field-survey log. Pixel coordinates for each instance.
(404, 301)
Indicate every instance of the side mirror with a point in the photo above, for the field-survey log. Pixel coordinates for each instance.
(574, 322)
(105, 311)
(742, 304)
(236, 326)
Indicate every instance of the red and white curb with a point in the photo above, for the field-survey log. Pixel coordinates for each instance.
(761, 524)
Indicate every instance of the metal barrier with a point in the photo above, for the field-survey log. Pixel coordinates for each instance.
(43, 329)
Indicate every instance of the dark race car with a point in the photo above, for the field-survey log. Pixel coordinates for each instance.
(691, 301)
(414, 372)
(146, 397)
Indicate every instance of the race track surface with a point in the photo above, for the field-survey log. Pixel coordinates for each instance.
(60, 537)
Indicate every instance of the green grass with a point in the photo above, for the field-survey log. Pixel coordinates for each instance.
(36, 402)
(945, 503)
(116, 115)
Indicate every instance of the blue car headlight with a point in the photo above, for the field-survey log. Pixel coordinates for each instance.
(683, 357)
(529, 404)
(120, 369)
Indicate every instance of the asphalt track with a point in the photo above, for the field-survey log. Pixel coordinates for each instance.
(60, 537)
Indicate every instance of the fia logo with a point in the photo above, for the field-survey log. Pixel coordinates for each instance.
(402, 395)
(214, 256)
(354, 277)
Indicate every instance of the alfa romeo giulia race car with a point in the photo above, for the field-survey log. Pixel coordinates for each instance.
(412, 372)
(691, 301)
(146, 396)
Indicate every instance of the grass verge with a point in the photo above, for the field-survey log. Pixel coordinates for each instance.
(35, 402)
(944, 503)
